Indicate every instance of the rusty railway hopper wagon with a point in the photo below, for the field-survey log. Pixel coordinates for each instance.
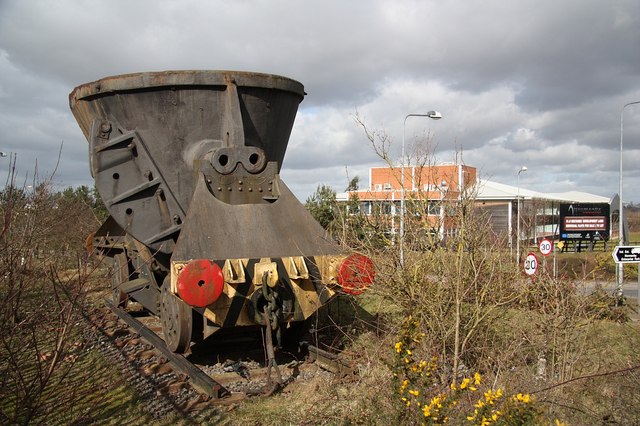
(202, 231)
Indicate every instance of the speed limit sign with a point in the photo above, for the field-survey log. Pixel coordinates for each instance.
(546, 247)
(530, 264)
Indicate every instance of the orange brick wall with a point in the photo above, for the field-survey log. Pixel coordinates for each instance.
(385, 181)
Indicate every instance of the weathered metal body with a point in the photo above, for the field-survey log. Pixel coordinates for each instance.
(202, 230)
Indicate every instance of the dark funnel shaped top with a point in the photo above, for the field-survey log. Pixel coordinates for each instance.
(153, 135)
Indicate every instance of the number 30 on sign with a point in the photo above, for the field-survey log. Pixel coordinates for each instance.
(546, 247)
(530, 264)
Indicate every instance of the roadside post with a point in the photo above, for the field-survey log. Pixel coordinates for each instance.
(555, 262)
(546, 247)
(627, 254)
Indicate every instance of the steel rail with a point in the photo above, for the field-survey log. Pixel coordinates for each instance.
(198, 378)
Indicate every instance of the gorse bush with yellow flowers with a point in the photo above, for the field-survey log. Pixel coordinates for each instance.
(426, 399)
(472, 339)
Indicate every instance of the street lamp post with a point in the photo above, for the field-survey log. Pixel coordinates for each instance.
(522, 169)
(434, 115)
(621, 208)
(443, 189)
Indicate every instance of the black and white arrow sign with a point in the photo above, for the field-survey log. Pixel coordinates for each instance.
(626, 254)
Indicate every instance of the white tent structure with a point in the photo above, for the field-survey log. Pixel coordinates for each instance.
(489, 190)
(500, 200)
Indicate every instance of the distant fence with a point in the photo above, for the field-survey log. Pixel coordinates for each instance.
(577, 246)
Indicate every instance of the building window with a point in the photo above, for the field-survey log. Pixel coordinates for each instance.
(433, 209)
(378, 187)
(429, 187)
(387, 186)
(365, 207)
(386, 207)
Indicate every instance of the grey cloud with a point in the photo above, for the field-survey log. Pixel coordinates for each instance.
(540, 82)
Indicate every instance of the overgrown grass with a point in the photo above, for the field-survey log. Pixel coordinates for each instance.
(51, 374)
(475, 312)
(574, 355)
(47, 373)
(95, 393)
(599, 386)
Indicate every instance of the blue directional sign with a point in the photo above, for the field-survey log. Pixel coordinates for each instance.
(626, 254)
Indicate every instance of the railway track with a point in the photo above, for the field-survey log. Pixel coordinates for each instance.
(213, 374)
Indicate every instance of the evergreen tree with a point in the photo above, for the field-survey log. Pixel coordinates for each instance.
(322, 204)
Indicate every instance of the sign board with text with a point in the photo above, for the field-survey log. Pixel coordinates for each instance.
(585, 221)
(626, 254)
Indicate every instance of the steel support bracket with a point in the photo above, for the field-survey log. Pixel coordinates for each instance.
(268, 268)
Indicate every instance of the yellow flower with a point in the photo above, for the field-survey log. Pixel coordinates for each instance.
(559, 423)
(436, 401)
(491, 396)
(426, 410)
(526, 398)
(414, 392)
(465, 383)
(453, 385)
(475, 414)
(476, 378)
(398, 347)
(408, 352)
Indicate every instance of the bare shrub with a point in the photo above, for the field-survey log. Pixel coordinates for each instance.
(456, 285)
(557, 332)
(38, 301)
(474, 310)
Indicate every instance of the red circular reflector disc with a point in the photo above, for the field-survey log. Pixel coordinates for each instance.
(200, 283)
(356, 274)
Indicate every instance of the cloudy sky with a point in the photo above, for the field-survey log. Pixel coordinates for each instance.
(539, 83)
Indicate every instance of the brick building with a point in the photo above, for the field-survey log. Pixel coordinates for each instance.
(428, 188)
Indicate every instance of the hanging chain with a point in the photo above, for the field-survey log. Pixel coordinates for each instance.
(272, 309)
(271, 317)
